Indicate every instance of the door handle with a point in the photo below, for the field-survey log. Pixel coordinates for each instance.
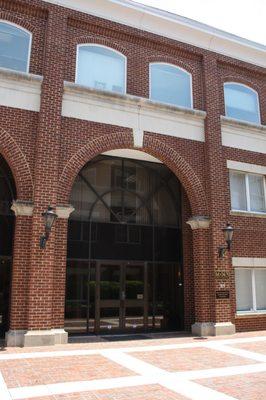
(123, 295)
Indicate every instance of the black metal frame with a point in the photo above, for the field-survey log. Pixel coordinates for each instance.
(145, 202)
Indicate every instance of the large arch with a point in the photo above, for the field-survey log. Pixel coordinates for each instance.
(18, 164)
(7, 219)
(153, 146)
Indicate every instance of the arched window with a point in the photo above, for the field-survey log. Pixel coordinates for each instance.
(170, 84)
(15, 43)
(101, 68)
(241, 102)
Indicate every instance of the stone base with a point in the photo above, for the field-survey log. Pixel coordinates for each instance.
(213, 328)
(21, 338)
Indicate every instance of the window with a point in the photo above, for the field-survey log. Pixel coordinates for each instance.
(248, 192)
(241, 102)
(250, 289)
(170, 84)
(15, 45)
(101, 68)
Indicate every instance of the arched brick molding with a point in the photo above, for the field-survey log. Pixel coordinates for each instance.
(155, 147)
(18, 164)
(182, 169)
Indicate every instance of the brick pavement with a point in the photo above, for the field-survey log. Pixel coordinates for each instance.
(177, 368)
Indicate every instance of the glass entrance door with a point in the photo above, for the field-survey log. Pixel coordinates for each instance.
(120, 296)
(5, 274)
(108, 297)
(135, 296)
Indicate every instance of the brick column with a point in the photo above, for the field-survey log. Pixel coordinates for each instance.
(220, 312)
(59, 287)
(200, 227)
(40, 325)
(20, 273)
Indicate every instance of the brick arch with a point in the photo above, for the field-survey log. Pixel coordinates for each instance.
(21, 22)
(168, 59)
(18, 164)
(172, 159)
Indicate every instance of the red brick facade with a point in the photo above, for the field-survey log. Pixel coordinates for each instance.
(45, 152)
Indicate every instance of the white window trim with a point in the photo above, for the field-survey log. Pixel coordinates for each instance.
(30, 42)
(105, 47)
(182, 69)
(254, 300)
(249, 211)
(252, 90)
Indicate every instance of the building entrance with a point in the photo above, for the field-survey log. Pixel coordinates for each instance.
(7, 194)
(124, 269)
(109, 296)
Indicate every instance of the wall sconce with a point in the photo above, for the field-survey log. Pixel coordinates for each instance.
(49, 218)
(228, 236)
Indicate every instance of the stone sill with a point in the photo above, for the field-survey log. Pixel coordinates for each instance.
(251, 314)
(243, 125)
(248, 214)
(12, 75)
(127, 99)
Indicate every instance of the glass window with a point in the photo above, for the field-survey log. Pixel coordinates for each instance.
(170, 84)
(14, 47)
(260, 280)
(241, 103)
(243, 290)
(250, 289)
(247, 192)
(101, 68)
(256, 192)
(238, 191)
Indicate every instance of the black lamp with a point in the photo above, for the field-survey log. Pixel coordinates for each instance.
(49, 218)
(228, 236)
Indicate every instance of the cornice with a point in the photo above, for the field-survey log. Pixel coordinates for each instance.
(171, 26)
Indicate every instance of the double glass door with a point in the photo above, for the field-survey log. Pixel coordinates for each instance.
(122, 296)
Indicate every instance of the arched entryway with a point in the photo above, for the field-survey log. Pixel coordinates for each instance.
(7, 195)
(124, 269)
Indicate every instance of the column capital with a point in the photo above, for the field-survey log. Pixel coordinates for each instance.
(199, 222)
(64, 211)
(22, 208)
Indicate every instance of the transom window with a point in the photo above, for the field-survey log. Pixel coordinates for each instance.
(250, 289)
(101, 68)
(248, 192)
(15, 45)
(171, 85)
(241, 102)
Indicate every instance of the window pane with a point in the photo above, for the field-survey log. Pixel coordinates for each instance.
(170, 85)
(238, 191)
(101, 68)
(241, 103)
(243, 290)
(256, 191)
(260, 280)
(14, 47)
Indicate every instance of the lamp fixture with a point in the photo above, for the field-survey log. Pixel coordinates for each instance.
(49, 219)
(228, 236)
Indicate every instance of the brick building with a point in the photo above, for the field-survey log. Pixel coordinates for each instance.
(145, 133)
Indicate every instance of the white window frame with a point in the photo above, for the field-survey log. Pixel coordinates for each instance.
(30, 43)
(253, 285)
(178, 68)
(252, 90)
(247, 174)
(105, 47)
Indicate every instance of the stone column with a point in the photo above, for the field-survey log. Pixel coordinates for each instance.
(20, 273)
